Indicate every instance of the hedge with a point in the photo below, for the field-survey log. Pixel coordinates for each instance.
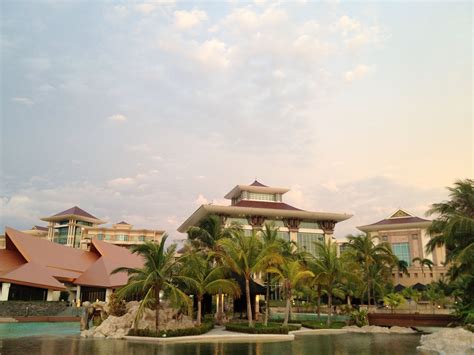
(322, 325)
(259, 328)
(168, 333)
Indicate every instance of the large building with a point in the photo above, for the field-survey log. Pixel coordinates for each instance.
(76, 228)
(37, 231)
(32, 268)
(407, 235)
(256, 204)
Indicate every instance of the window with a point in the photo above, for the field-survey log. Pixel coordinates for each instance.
(276, 223)
(100, 236)
(284, 235)
(83, 223)
(107, 237)
(141, 238)
(402, 252)
(262, 197)
(61, 236)
(241, 221)
(306, 241)
(431, 274)
(310, 225)
(122, 237)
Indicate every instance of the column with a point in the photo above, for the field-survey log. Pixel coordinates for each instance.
(108, 292)
(49, 297)
(78, 295)
(328, 228)
(5, 291)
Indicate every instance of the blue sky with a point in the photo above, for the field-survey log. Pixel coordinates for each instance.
(144, 110)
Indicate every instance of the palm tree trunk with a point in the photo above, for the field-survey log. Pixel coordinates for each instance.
(328, 322)
(319, 303)
(157, 309)
(218, 308)
(267, 301)
(368, 292)
(198, 318)
(249, 302)
(287, 308)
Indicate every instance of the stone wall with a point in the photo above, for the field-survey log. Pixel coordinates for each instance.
(31, 308)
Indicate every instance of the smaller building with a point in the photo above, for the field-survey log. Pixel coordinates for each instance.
(407, 234)
(121, 234)
(37, 231)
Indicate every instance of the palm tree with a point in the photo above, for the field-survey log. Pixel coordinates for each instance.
(393, 300)
(368, 253)
(328, 269)
(272, 247)
(201, 277)
(413, 295)
(205, 236)
(402, 268)
(155, 277)
(290, 273)
(242, 255)
(424, 262)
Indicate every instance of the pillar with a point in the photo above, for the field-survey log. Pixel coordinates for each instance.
(78, 295)
(5, 291)
(49, 297)
(108, 292)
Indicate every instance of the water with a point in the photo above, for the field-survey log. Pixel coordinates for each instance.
(341, 344)
(16, 330)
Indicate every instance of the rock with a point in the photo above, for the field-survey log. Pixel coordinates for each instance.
(449, 341)
(367, 329)
(401, 330)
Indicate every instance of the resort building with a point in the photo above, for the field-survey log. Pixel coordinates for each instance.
(407, 235)
(37, 231)
(33, 268)
(121, 234)
(254, 205)
(76, 228)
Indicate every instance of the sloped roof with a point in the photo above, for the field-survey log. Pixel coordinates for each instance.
(265, 204)
(398, 219)
(75, 211)
(256, 183)
(123, 222)
(40, 228)
(32, 261)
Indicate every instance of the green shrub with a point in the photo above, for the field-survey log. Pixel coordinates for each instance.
(469, 318)
(360, 317)
(168, 333)
(322, 325)
(259, 328)
(116, 306)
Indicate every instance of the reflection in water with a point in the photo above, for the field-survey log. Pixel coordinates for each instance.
(340, 344)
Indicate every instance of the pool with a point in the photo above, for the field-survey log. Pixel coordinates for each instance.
(393, 344)
(18, 330)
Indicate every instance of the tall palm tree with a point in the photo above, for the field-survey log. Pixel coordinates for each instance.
(156, 276)
(402, 268)
(329, 270)
(424, 262)
(202, 277)
(413, 295)
(272, 252)
(242, 255)
(290, 273)
(368, 253)
(205, 236)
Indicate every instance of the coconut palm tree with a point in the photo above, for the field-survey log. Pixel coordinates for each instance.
(424, 262)
(393, 300)
(290, 273)
(242, 255)
(201, 277)
(205, 236)
(366, 252)
(155, 277)
(328, 268)
(413, 295)
(402, 268)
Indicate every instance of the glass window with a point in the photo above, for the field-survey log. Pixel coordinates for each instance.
(262, 197)
(83, 223)
(276, 223)
(61, 235)
(122, 237)
(284, 235)
(100, 236)
(242, 221)
(107, 237)
(310, 225)
(306, 241)
(141, 238)
(402, 251)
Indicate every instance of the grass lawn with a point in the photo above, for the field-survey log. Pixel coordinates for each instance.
(322, 325)
(259, 328)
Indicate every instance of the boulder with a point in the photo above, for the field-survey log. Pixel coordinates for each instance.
(449, 341)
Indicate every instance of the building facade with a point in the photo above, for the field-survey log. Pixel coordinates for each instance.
(77, 228)
(408, 237)
(121, 234)
(254, 205)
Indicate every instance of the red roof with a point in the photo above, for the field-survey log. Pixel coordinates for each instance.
(265, 204)
(401, 220)
(256, 183)
(40, 228)
(123, 222)
(32, 261)
(76, 211)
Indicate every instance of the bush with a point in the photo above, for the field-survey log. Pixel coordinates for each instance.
(117, 306)
(322, 325)
(360, 317)
(469, 318)
(259, 328)
(168, 333)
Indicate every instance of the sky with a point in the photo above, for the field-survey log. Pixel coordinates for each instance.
(143, 111)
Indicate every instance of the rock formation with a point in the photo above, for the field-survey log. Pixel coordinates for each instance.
(118, 327)
(449, 341)
(377, 329)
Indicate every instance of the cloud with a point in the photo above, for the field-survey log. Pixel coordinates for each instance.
(184, 20)
(22, 100)
(358, 72)
(201, 200)
(347, 25)
(213, 53)
(121, 181)
(118, 118)
(140, 148)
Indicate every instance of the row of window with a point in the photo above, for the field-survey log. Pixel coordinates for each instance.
(276, 223)
(121, 237)
(415, 275)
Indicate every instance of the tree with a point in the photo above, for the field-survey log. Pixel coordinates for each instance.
(424, 263)
(367, 253)
(242, 255)
(202, 277)
(290, 273)
(328, 269)
(413, 295)
(393, 300)
(402, 268)
(206, 236)
(155, 277)
(434, 295)
(454, 229)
